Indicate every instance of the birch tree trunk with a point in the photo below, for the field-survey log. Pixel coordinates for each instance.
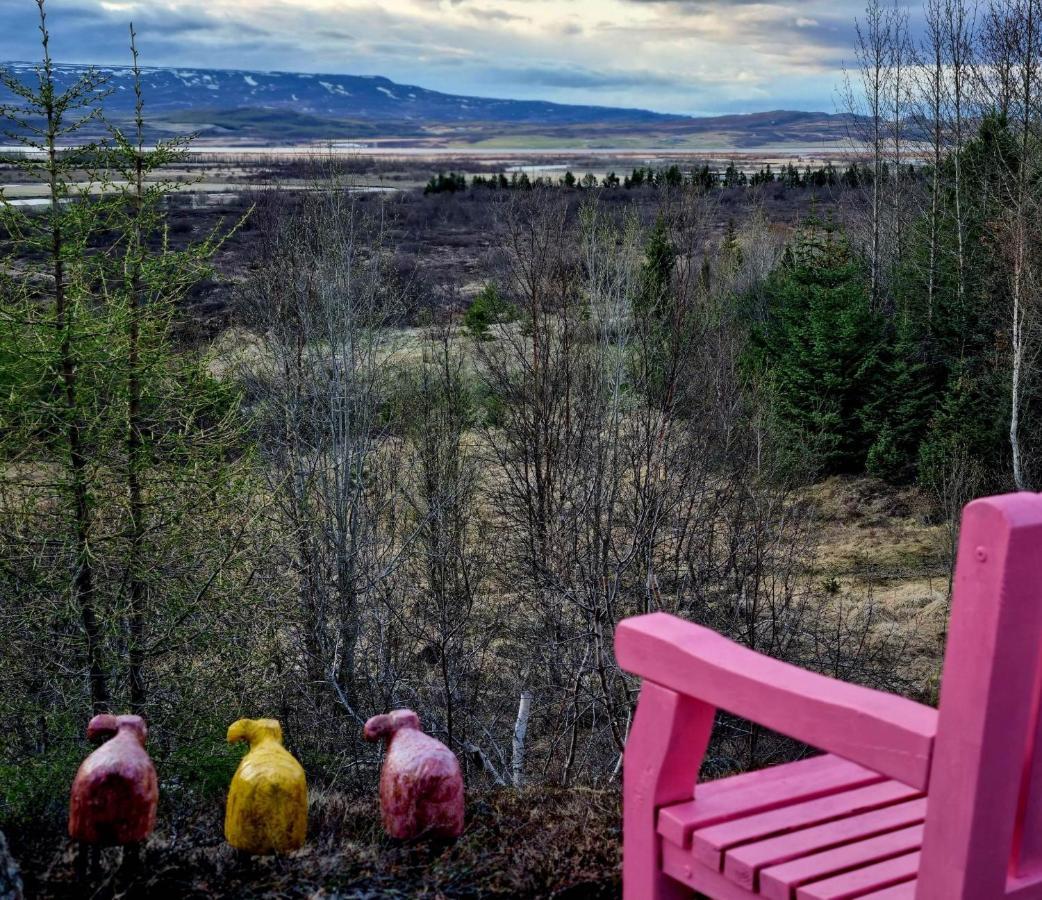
(524, 710)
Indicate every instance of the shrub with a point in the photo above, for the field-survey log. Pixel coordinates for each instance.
(884, 460)
(34, 787)
(488, 309)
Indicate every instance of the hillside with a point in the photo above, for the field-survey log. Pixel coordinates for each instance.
(876, 541)
(537, 843)
(285, 107)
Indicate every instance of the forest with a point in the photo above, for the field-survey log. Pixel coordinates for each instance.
(360, 497)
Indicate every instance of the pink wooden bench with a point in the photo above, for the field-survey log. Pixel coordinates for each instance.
(907, 802)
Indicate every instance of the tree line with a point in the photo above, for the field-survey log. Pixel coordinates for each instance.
(855, 175)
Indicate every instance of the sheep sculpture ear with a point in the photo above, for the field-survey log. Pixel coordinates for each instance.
(102, 727)
(378, 727)
(266, 728)
(240, 731)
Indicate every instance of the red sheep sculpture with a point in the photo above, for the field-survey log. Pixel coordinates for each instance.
(421, 785)
(115, 792)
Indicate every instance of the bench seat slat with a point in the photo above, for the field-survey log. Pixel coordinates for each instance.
(903, 891)
(743, 863)
(681, 866)
(863, 881)
(780, 882)
(709, 844)
(742, 795)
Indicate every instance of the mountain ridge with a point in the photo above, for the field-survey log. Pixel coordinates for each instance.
(278, 106)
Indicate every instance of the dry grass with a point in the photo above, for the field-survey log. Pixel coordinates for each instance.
(536, 843)
(882, 545)
(880, 540)
(871, 529)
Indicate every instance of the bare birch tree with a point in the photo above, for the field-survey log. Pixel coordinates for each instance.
(1014, 33)
(321, 301)
(869, 94)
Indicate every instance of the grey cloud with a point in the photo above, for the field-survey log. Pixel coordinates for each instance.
(335, 34)
(556, 76)
(86, 29)
(498, 15)
(784, 60)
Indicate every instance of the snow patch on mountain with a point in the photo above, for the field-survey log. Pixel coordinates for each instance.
(334, 88)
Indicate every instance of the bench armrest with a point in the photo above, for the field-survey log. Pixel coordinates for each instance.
(888, 734)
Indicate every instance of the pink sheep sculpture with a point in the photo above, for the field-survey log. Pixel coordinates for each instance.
(115, 791)
(421, 785)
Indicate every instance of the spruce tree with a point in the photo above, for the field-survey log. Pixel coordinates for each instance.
(821, 350)
(661, 319)
(660, 257)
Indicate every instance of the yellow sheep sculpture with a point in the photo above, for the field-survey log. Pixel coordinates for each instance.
(267, 808)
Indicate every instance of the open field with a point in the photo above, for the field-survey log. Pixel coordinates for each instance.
(212, 168)
(443, 244)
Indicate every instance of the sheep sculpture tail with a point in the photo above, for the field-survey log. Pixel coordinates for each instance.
(421, 783)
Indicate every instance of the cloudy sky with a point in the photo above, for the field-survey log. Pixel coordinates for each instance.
(686, 56)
